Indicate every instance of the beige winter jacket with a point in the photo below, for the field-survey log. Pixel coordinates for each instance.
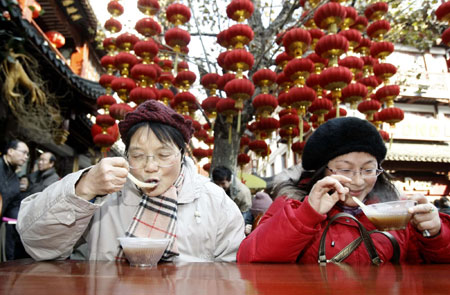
(52, 223)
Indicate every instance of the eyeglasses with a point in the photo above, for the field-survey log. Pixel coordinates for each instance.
(23, 152)
(164, 158)
(365, 173)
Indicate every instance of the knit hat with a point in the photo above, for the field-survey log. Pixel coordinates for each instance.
(260, 203)
(341, 136)
(155, 111)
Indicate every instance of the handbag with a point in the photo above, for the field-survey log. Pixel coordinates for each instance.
(364, 238)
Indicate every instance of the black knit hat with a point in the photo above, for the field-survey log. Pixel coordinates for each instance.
(341, 136)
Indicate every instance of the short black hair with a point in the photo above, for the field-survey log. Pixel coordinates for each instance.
(221, 173)
(164, 133)
(52, 157)
(12, 145)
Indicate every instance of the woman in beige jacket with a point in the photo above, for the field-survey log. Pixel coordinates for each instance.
(83, 214)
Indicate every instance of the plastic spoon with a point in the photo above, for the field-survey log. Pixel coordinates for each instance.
(366, 209)
(139, 183)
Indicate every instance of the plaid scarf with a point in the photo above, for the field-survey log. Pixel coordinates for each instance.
(156, 217)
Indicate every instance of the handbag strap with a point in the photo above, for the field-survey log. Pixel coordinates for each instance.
(365, 237)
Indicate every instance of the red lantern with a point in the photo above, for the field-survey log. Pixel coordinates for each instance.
(147, 50)
(353, 63)
(185, 101)
(240, 90)
(331, 47)
(353, 37)
(165, 95)
(110, 45)
(148, 7)
(108, 62)
(209, 105)
(320, 107)
(145, 73)
(240, 10)
(350, 17)
(384, 71)
(207, 167)
(177, 38)
(258, 146)
(123, 86)
(243, 159)
(443, 12)
(239, 35)
(222, 39)
(166, 79)
(296, 41)
(378, 29)
(264, 104)
(329, 16)
(104, 121)
(185, 79)
(297, 147)
(105, 101)
(209, 81)
(369, 107)
(119, 110)
(115, 8)
(384, 135)
(178, 14)
(283, 82)
(360, 23)
(316, 34)
(332, 114)
(201, 134)
(200, 153)
(381, 49)
(282, 59)
(335, 78)
(239, 60)
(387, 94)
(376, 11)
(124, 61)
(113, 25)
(140, 94)
(268, 125)
(446, 37)
(298, 70)
(353, 93)
(391, 115)
(227, 108)
(35, 8)
(364, 46)
(147, 27)
(371, 83)
(244, 142)
(56, 38)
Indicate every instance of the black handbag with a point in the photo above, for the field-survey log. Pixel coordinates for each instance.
(365, 238)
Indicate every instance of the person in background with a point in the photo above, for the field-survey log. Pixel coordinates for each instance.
(341, 160)
(15, 156)
(45, 175)
(444, 205)
(260, 203)
(82, 215)
(234, 188)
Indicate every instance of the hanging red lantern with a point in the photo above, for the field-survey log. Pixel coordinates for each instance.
(360, 23)
(443, 12)
(199, 153)
(145, 73)
(223, 39)
(376, 11)
(123, 87)
(201, 134)
(147, 27)
(384, 71)
(331, 47)
(207, 167)
(387, 94)
(330, 16)
(185, 101)
(166, 79)
(332, 114)
(244, 143)
(227, 108)
(104, 138)
(239, 35)
(353, 37)
(209, 106)
(106, 80)
(148, 7)
(284, 82)
(243, 159)
(184, 80)
(353, 63)
(316, 34)
(177, 38)
(391, 115)
(119, 110)
(209, 81)
(320, 107)
(178, 14)
(124, 61)
(104, 120)
(354, 93)
(115, 8)
(105, 101)
(240, 10)
(350, 17)
(282, 59)
(165, 95)
(140, 94)
(384, 135)
(378, 29)
(381, 49)
(108, 62)
(110, 45)
(335, 79)
(296, 41)
(268, 125)
(113, 25)
(258, 146)
(147, 50)
(239, 90)
(369, 107)
(297, 147)
(446, 37)
(298, 70)
(264, 104)
(56, 38)
(364, 46)
(239, 60)
(371, 83)
(224, 79)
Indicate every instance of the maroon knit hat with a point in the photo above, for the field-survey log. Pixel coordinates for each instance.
(155, 111)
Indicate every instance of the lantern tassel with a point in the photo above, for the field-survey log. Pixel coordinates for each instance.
(300, 127)
(238, 128)
(229, 133)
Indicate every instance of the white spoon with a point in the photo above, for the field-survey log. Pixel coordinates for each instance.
(139, 183)
(363, 206)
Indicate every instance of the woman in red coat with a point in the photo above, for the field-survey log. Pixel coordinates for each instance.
(342, 159)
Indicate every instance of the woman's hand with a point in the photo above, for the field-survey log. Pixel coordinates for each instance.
(425, 216)
(327, 192)
(107, 176)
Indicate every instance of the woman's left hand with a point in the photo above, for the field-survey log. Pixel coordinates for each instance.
(425, 215)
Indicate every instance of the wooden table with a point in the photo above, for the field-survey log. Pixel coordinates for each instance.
(75, 277)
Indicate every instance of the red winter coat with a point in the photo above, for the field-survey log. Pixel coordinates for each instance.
(290, 227)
